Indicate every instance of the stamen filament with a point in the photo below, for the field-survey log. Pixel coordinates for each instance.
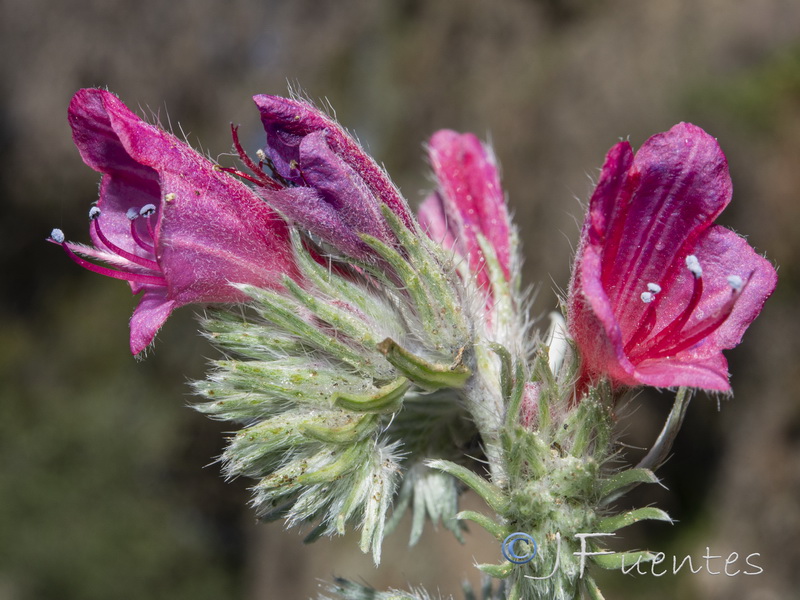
(139, 241)
(113, 273)
(700, 331)
(707, 326)
(668, 334)
(150, 230)
(262, 178)
(142, 262)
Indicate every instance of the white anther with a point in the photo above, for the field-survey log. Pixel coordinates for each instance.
(169, 197)
(735, 282)
(57, 236)
(654, 287)
(694, 266)
(147, 210)
(261, 155)
(132, 214)
(94, 212)
(647, 297)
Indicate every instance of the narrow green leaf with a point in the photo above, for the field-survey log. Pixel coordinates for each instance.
(624, 478)
(497, 571)
(387, 399)
(491, 494)
(611, 524)
(427, 375)
(618, 560)
(489, 524)
(341, 320)
(353, 430)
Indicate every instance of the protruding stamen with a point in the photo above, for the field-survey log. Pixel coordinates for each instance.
(260, 178)
(654, 288)
(694, 266)
(735, 282)
(132, 214)
(262, 156)
(94, 213)
(147, 210)
(647, 297)
(57, 236)
(138, 260)
(124, 275)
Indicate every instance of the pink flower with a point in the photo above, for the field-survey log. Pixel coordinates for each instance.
(469, 202)
(334, 189)
(173, 225)
(657, 290)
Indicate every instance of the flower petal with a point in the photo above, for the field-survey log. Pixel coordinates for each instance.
(472, 198)
(287, 122)
(637, 311)
(676, 187)
(434, 221)
(306, 207)
(93, 115)
(149, 315)
(341, 187)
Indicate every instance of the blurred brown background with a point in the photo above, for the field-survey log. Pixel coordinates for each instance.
(105, 485)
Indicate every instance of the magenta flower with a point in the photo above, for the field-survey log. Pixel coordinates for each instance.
(334, 189)
(657, 290)
(469, 202)
(171, 223)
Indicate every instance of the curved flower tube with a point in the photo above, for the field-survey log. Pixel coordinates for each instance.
(469, 203)
(657, 290)
(170, 222)
(335, 190)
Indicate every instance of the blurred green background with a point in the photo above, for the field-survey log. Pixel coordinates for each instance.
(107, 487)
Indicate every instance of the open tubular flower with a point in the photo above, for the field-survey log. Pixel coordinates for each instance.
(657, 290)
(172, 224)
(333, 188)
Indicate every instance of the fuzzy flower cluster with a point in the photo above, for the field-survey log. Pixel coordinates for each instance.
(380, 360)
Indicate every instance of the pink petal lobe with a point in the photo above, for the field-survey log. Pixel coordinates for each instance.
(150, 314)
(472, 197)
(93, 115)
(679, 184)
(709, 373)
(287, 121)
(434, 222)
(341, 187)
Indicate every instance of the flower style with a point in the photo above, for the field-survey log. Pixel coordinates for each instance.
(334, 189)
(176, 228)
(657, 290)
(468, 204)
